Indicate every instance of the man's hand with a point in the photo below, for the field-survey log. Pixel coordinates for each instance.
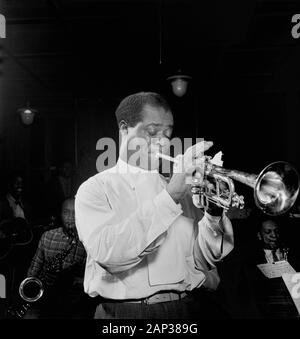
(184, 168)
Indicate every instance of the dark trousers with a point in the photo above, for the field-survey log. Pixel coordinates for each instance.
(197, 305)
(79, 306)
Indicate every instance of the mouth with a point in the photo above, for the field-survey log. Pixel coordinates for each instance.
(273, 243)
(154, 155)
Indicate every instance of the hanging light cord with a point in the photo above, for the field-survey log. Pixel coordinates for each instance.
(160, 31)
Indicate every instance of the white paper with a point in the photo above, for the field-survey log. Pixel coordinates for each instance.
(2, 286)
(292, 282)
(217, 159)
(277, 269)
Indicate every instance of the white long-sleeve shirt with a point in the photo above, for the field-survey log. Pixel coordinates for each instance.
(137, 240)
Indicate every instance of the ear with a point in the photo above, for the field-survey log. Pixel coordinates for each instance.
(123, 127)
(259, 236)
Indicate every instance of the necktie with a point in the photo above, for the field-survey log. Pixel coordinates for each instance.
(18, 212)
(274, 257)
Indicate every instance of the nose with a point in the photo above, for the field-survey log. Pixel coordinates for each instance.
(273, 235)
(162, 142)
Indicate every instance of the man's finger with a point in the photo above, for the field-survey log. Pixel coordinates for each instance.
(195, 164)
(198, 149)
(179, 164)
(203, 146)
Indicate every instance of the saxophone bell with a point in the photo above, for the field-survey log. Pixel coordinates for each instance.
(31, 289)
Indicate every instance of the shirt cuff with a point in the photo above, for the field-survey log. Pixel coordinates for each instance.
(167, 208)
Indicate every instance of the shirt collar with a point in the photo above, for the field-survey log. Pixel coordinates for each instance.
(269, 251)
(133, 174)
(10, 198)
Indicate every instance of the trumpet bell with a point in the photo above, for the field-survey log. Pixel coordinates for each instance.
(276, 188)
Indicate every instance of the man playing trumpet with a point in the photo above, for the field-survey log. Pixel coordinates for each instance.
(144, 257)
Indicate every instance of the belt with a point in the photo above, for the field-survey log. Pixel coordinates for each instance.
(159, 298)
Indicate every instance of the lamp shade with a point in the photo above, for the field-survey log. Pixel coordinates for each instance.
(179, 84)
(27, 115)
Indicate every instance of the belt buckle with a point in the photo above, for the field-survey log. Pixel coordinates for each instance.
(146, 301)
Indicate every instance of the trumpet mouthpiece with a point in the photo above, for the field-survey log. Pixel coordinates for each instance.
(166, 157)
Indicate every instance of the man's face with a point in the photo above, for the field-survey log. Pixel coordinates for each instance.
(17, 187)
(148, 137)
(68, 217)
(269, 235)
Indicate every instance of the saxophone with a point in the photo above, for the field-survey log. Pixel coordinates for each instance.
(32, 289)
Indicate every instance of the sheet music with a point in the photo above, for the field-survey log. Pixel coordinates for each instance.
(292, 282)
(277, 269)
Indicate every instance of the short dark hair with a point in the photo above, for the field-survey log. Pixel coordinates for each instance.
(11, 178)
(262, 218)
(131, 107)
(67, 200)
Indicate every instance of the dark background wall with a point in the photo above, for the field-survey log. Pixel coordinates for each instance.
(74, 60)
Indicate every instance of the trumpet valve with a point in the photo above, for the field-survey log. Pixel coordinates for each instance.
(196, 190)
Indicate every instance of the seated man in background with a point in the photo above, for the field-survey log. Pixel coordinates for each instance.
(15, 232)
(59, 263)
(272, 248)
(270, 294)
(274, 243)
(13, 203)
(245, 291)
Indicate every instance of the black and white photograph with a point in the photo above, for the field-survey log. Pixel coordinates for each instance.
(149, 164)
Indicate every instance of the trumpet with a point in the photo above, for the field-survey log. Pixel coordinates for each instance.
(276, 187)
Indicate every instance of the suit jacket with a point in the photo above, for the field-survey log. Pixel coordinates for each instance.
(246, 292)
(6, 212)
(270, 295)
(256, 256)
